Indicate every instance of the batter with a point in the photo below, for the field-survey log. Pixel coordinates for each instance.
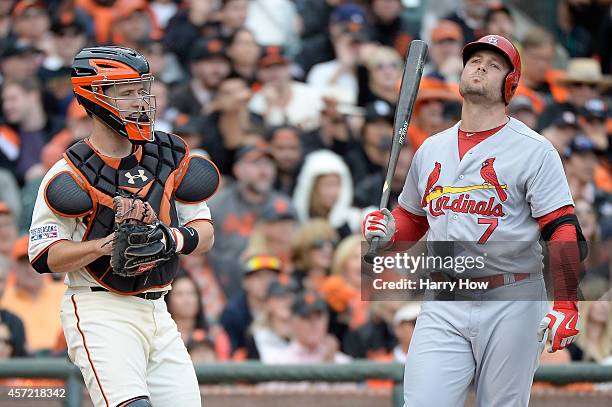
(118, 330)
(487, 179)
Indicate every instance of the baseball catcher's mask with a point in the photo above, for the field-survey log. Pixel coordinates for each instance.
(114, 84)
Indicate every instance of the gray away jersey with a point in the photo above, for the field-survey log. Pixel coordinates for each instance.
(492, 195)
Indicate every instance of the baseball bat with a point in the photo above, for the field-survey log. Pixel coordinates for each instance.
(413, 70)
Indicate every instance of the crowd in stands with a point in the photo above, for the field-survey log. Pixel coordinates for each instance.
(294, 102)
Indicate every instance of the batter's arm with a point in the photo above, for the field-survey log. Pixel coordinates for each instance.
(409, 227)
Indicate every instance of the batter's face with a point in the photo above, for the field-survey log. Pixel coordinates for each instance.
(482, 77)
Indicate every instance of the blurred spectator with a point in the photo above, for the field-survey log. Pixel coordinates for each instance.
(372, 154)
(12, 333)
(235, 209)
(342, 290)
(24, 111)
(274, 22)
(8, 230)
(134, 25)
(597, 278)
(338, 77)
(575, 18)
(324, 189)
(384, 70)
(376, 339)
(233, 16)
(78, 126)
(310, 342)
(69, 38)
(323, 46)
(31, 24)
(34, 298)
(10, 196)
(428, 117)
(369, 189)
(271, 330)
(164, 65)
(211, 293)
(404, 321)
(521, 108)
(5, 18)
(445, 61)
(498, 20)
(187, 26)
(282, 100)
(164, 115)
(209, 66)
(244, 52)
(337, 123)
(312, 253)
(184, 303)
(202, 349)
(189, 128)
(470, 16)
(277, 222)
(286, 149)
(19, 61)
(580, 168)
(537, 79)
(315, 15)
(224, 128)
(389, 27)
(584, 81)
(58, 92)
(562, 131)
(593, 120)
(258, 273)
(603, 48)
(164, 10)
(595, 340)
(104, 13)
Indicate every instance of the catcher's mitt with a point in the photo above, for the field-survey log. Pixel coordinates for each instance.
(133, 209)
(140, 242)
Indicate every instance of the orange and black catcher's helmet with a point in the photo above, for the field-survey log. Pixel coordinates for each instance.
(95, 70)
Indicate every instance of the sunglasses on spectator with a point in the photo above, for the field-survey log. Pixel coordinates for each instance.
(595, 120)
(390, 65)
(584, 84)
(320, 243)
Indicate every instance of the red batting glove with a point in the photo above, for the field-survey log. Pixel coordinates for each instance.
(561, 323)
(380, 224)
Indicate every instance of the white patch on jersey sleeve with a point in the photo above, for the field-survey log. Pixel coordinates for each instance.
(44, 232)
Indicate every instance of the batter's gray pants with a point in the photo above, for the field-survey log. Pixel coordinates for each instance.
(490, 343)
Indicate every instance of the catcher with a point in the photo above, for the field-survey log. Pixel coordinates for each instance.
(114, 214)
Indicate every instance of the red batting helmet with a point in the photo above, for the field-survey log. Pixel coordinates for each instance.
(499, 44)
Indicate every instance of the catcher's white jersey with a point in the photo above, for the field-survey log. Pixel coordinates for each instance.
(48, 227)
(493, 194)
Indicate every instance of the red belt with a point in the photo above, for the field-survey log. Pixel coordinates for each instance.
(495, 281)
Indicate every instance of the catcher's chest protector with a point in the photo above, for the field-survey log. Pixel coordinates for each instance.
(148, 172)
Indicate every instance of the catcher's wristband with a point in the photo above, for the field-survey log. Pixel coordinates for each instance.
(186, 239)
